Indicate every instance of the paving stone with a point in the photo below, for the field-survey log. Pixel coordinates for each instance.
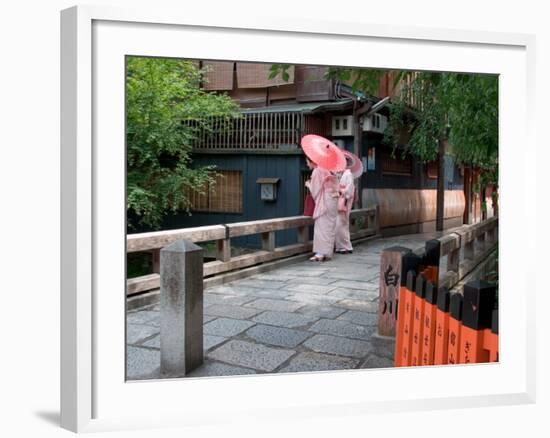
(212, 298)
(227, 311)
(313, 299)
(321, 311)
(208, 341)
(362, 305)
(354, 294)
(310, 288)
(266, 293)
(279, 336)
(212, 368)
(224, 289)
(261, 284)
(226, 327)
(284, 319)
(363, 318)
(250, 292)
(277, 305)
(374, 361)
(141, 317)
(349, 275)
(383, 346)
(364, 261)
(338, 345)
(306, 271)
(311, 280)
(342, 328)
(208, 318)
(309, 361)
(153, 343)
(142, 363)
(247, 354)
(354, 284)
(136, 333)
(276, 276)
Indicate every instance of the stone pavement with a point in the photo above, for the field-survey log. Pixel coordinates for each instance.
(309, 316)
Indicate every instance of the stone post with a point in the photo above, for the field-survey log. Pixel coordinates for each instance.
(181, 308)
(390, 283)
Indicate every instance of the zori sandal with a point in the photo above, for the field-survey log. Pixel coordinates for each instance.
(316, 258)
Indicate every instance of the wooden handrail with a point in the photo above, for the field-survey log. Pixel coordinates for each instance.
(461, 263)
(159, 239)
(222, 234)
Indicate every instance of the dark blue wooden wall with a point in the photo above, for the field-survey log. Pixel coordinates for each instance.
(253, 166)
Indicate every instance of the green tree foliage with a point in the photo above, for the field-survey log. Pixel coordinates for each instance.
(430, 106)
(461, 108)
(165, 109)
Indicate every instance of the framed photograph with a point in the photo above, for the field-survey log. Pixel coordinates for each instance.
(103, 50)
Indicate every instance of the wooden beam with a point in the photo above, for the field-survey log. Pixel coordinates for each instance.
(449, 243)
(268, 241)
(141, 284)
(254, 258)
(159, 239)
(224, 250)
(156, 260)
(255, 227)
(303, 234)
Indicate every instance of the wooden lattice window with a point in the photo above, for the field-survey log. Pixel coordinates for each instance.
(224, 196)
(218, 75)
(396, 164)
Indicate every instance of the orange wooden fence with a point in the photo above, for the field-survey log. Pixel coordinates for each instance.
(435, 327)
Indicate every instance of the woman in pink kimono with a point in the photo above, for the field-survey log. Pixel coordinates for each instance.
(342, 240)
(323, 187)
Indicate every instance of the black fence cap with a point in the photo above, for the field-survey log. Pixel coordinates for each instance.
(431, 292)
(443, 299)
(409, 261)
(411, 280)
(420, 288)
(456, 306)
(433, 251)
(479, 303)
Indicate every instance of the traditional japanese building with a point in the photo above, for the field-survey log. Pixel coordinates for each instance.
(262, 168)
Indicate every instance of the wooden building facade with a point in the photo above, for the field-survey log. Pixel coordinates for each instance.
(264, 143)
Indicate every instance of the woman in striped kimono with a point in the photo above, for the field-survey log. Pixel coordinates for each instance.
(323, 187)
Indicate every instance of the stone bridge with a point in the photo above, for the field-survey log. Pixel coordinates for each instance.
(306, 316)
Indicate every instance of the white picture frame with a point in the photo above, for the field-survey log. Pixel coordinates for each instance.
(94, 396)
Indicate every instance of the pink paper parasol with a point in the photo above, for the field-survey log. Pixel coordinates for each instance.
(353, 164)
(323, 152)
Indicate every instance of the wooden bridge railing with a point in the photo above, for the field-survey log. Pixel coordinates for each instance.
(464, 249)
(364, 223)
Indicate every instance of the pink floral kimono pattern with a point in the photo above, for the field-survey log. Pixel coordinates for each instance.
(347, 190)
(324, 189)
